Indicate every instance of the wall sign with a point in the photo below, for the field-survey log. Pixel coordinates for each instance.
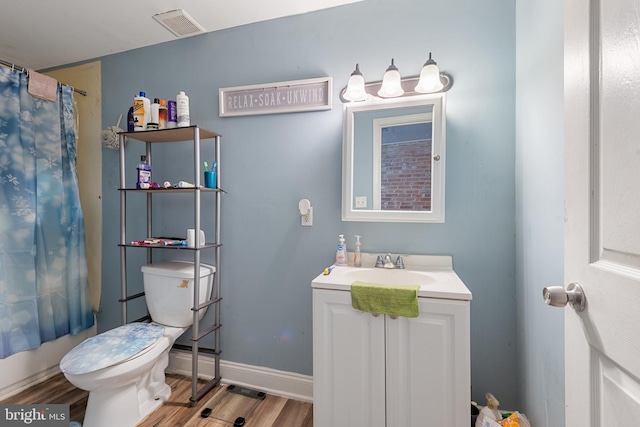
(271, 98)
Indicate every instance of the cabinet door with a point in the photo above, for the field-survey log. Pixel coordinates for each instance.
(428, 367)
(348, 363)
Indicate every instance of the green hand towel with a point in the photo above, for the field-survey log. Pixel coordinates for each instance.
(384, 299)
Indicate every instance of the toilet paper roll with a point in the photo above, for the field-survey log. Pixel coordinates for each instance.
(191, 238)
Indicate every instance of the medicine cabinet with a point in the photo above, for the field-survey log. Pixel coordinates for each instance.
(393, 162)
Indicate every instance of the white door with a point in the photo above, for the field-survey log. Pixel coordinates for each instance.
(602, 218)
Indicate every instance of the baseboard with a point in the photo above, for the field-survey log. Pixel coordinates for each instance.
(28, 368)
(26, 383)
(287, 384)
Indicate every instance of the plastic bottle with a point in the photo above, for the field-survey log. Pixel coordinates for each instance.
(357, 253)
(144, 174)
(162, 115)
(155, 115)
(341, 253)
(182, 104)
(138, 112)
(172, 115)
(141, 111)
(130, 123)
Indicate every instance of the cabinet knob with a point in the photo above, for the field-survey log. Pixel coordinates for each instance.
(378, 314)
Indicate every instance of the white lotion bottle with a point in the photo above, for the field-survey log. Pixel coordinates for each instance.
(341, 253)
(182, 107)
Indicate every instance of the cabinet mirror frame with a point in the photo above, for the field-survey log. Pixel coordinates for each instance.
(435, 105)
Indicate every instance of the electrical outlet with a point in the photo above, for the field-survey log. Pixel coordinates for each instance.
(361, 202)
(307, 220)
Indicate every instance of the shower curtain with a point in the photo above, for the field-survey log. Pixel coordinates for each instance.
(44, 290)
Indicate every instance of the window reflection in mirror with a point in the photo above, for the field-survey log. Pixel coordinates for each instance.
(393, 160)
(403, 181)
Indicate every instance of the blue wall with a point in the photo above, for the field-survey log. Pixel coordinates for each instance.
(540, 208)
(270, 162)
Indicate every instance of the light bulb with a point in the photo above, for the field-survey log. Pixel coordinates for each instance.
(391, 83)
(429, 77)
(355, 87)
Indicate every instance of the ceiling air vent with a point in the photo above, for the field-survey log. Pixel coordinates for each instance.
(179, 23)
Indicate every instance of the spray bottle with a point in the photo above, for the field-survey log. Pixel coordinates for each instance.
(357, 253)
(341, 253)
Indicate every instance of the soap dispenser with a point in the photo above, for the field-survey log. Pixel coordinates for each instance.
(341, 253)
(357, 253)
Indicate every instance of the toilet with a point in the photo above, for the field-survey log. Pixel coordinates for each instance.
(123, 368)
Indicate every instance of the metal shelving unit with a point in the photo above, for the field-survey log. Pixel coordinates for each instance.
(184, 134)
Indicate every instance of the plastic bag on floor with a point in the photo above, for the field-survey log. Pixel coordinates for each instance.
(490, 416)
(516, 419)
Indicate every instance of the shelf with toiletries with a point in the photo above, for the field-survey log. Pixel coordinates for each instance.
(170, 190)
(198, 187)
(182, 134)
(133, 244)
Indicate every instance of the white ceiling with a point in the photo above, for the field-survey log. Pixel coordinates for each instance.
(41, 34)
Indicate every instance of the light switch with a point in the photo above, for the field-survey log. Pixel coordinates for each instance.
(361, 202)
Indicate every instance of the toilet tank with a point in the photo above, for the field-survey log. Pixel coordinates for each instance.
(169, 288)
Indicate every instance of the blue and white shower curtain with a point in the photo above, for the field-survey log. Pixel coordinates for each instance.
(44, 291)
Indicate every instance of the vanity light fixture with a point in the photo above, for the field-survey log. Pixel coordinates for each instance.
(431, 80)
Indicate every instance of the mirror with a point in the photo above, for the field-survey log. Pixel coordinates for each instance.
(393, 160)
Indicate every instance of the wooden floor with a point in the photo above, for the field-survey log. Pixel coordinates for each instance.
(273, 411)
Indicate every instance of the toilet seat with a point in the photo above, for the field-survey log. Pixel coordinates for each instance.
(111, 347)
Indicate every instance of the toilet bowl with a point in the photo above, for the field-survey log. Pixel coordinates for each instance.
(124, 393)
(123, 368)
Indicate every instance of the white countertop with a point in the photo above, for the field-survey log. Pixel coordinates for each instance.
(434, 274)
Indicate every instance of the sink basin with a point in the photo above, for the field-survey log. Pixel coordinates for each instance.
(384, 276)
(434, 275)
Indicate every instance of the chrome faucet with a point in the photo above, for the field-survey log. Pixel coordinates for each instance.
(386, 262)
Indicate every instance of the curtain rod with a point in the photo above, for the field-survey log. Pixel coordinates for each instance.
(25, 70)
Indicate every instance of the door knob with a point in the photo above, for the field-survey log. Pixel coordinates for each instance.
(557, 296)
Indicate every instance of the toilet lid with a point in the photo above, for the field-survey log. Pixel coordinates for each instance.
(111, 347)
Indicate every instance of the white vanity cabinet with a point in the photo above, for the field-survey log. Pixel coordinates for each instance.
(348, 363)
(376, 371)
